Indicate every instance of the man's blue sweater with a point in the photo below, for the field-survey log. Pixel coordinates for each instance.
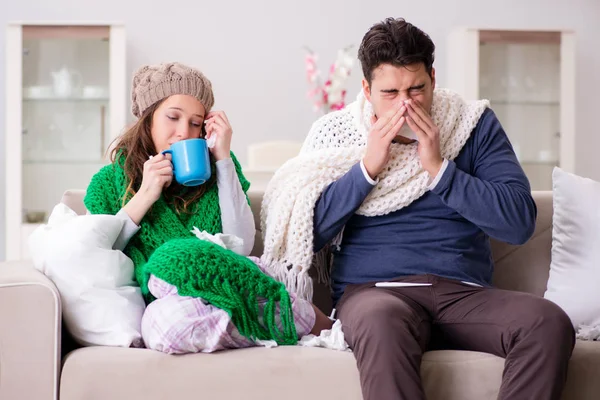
(483, 193)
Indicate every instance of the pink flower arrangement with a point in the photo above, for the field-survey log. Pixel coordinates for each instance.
(329, 95)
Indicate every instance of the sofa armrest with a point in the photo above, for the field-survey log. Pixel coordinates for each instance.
(30, 331)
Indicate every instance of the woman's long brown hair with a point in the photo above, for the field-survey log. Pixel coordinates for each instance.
(137, 146)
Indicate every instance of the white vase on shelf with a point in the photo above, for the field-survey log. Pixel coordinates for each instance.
(66, 82)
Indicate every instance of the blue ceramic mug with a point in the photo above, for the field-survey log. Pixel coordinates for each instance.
(191, 162)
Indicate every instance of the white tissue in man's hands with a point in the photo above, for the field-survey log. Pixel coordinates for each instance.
(407, 132)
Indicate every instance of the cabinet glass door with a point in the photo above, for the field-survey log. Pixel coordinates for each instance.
(65, 100)
(520, 75)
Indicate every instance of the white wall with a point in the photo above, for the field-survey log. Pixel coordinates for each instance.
(252, 50)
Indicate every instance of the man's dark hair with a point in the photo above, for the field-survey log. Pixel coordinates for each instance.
(396, 42)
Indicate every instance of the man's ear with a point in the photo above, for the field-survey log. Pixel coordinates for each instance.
(366, 89)
(433, 77)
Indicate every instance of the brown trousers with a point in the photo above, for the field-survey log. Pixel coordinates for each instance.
(389, 329)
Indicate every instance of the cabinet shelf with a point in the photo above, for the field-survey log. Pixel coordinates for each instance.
(64, 162)
(51, 98)
(538, 162)
(525, 103)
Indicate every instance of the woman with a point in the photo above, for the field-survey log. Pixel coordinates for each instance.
(201, 296)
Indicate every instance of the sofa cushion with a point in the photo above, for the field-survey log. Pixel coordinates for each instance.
(291, 373)
(525, 268)
(575, 268)
(255, 204)
(74, 200)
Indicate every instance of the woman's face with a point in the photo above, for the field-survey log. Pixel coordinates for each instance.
(179, 117)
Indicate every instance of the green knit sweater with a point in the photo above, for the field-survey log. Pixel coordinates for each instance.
(165, 247)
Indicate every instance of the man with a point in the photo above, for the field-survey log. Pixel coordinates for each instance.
(438, 241)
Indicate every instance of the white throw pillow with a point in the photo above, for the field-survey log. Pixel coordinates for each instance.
(574, 279)
(102, 303)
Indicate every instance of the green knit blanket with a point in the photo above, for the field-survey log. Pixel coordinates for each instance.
(165, 247)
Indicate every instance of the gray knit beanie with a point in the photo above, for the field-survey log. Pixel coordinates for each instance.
(152, 83)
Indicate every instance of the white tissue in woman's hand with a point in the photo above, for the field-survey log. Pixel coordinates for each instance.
(210, 142)
(229, 242)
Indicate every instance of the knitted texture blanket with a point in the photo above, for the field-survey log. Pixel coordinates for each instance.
(166, 248)
(335, 143)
